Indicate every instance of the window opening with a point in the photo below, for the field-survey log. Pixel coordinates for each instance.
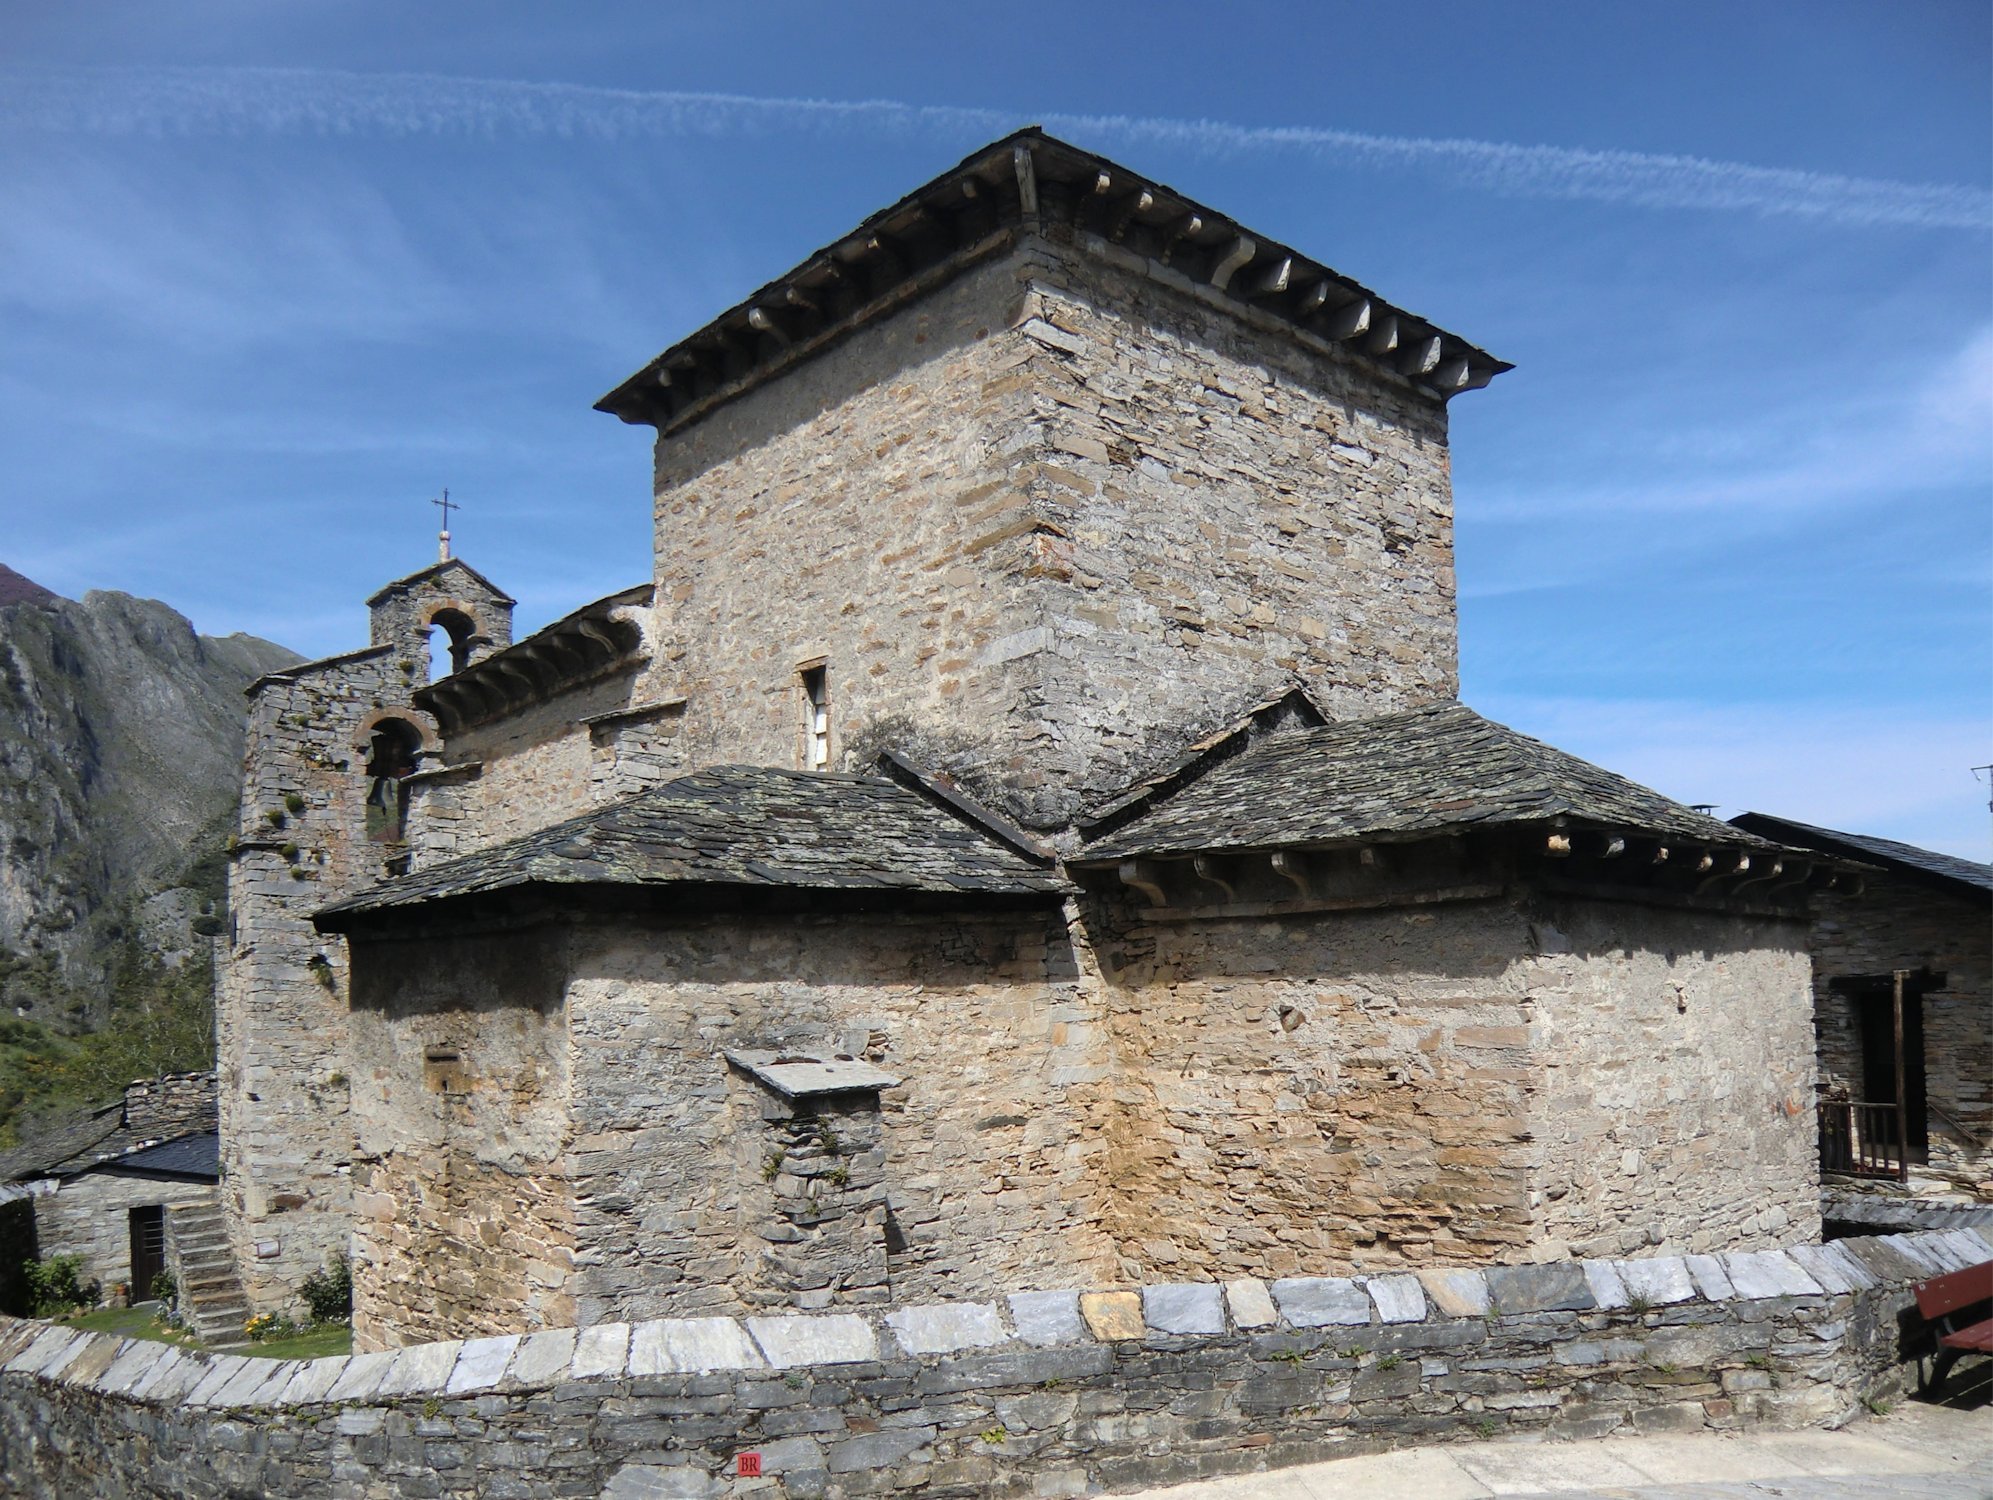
(816, 719)
(391, 759)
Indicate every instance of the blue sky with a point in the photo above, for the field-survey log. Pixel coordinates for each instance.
(272, 276)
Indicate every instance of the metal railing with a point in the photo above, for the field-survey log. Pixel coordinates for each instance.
(1863, 1140)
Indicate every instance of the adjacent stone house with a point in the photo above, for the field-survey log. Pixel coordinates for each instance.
(102, 1185)
(1024, 831)
(1928, 917)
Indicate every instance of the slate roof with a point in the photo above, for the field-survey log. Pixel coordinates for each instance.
(190, 1156)
(736, 826)
(1399, 776)
(60, 1144)
(1908, 859)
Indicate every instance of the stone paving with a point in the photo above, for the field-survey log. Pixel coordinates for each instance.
(1916, 1452)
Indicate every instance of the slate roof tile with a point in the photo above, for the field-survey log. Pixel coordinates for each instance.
(1425, 771)
(1908, 858)
(737, 825)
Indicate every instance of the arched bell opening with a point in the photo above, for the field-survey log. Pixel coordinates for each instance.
(394, 749)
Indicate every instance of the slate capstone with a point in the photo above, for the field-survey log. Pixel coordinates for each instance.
(1557, 1287)
(1185, 1307)
(1317, 1301)
(1047, 1317)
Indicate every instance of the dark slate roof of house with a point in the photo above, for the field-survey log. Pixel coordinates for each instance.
(60, 1144)
(1400, 776)
(196, 1155)
(1905, 858)
(737, 826)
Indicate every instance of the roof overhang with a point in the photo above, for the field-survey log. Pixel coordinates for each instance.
(1033, 183)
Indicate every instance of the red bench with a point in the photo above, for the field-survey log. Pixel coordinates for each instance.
(1960, 1308)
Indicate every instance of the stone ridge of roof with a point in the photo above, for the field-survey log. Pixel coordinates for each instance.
(1024, 180)
(1422, 772)
(1948, 868)
(736, 826)
(421, 574)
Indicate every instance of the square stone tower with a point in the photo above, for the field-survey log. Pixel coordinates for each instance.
(1043, 474)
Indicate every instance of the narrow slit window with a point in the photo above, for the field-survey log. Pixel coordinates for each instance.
(816, 719)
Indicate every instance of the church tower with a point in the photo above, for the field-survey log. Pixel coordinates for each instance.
(331, 745)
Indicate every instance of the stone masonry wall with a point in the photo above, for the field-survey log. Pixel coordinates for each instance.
(1046, 526)
(992, 1143)
(1899, 924)
(90, 1216)
(463, 1215)
(1454, 1084)
(171, 1105)
(1349, 1089)
(281, 998)
(1676, 1109)
(1046, 1393)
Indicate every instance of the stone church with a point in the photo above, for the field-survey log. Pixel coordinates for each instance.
(1022, 832)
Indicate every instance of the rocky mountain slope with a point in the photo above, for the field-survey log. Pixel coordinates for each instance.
(120, 758)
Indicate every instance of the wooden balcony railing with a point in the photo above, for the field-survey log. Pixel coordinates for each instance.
(1863, 1140)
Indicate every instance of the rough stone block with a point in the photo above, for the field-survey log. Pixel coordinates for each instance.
(541, 1359)
(1657, 1280)
(877, 1450)
(691, 1346)
(603, 1350)
(659, 1482)
(1557, 1287)
(420, 1369)
(480, 1364)
(1457, 1293)
(1184, 1307)
(1047, 1317)
(1399, 1299)
(1607, 1289)
(1112, 1315)
(1757, 1274)
(1318, 1301)
(1251, 1303)
(836, 1340)
(1712, 1282)
(944, 1327)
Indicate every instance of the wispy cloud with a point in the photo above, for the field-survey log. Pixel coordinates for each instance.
(327, 103)
(1797, 456)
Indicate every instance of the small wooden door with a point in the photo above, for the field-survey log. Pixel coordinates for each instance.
(148, 1249)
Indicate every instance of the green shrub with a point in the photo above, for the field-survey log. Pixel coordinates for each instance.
(293, 802)
(329, 1293)
(57, 1285)
(164, 1288)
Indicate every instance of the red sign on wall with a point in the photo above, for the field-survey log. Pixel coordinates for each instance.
(747, 1465)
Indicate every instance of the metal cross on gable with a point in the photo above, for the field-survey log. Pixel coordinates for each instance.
(443, 537)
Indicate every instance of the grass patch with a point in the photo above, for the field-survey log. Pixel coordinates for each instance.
(313, 1343)
(130, 1323)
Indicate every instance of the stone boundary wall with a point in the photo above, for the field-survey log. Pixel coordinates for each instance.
(1042, 1393)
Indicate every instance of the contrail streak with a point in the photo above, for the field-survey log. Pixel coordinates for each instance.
(284, 101)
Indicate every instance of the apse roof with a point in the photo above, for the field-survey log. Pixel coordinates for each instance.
(739, 826)
(1416, 774)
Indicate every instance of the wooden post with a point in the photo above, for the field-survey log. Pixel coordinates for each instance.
(1902, 1107)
